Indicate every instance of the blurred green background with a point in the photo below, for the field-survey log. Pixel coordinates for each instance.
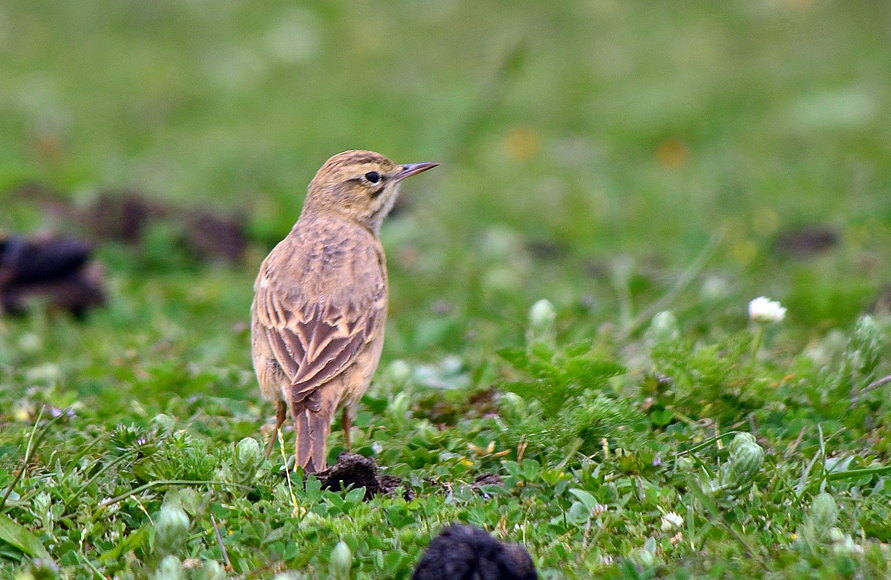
(617, 157)
(589, 149)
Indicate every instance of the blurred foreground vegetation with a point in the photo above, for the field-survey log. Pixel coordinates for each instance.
(619, 159)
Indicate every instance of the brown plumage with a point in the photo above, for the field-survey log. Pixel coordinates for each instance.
(320, 300)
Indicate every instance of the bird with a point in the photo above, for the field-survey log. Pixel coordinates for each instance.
(469, 553)
(320, 300)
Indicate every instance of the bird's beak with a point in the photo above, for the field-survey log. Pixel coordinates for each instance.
(410, 169)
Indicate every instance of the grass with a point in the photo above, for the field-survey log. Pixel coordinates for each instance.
(619, 159)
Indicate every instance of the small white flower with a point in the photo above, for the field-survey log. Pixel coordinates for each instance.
(765, 310)
(542, 313)
(671, 520)
(599, 509)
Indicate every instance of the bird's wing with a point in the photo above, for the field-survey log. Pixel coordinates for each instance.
(314, 341)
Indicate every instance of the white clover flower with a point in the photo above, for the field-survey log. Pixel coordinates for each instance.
(671, 520)
(763, 310)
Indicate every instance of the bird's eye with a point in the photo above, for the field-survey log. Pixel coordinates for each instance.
(373, 176)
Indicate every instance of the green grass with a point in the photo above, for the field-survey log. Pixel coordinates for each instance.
(617, 158)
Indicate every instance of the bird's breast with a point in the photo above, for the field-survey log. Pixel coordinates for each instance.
(332, 263)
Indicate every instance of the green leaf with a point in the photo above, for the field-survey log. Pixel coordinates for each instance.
(129, 543)
(18, 536)
(515, 356)
(531, 468)
(313, 488)
(586, 498)
(512, 467)
(355, 496)
(578, 513)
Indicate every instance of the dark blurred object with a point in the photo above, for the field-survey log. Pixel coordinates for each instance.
(544, 249)
(128, 215)
(122, 216)
(468, 553)
(806, 242)
(56, 270)
(358, 471)
(354, 470)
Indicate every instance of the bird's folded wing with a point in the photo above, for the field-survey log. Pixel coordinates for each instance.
(316, 342)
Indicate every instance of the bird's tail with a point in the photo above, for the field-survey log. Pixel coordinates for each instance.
(312, 422)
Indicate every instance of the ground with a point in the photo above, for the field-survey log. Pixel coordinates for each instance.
(648, 169)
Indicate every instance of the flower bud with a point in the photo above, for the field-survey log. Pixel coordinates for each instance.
(399, 407)
(248, 457)
(822, 517)
(171, 530)
(746, 457)
(663, 329)
(736, 475)
(542, 317)
(341, 561)
(210, 570)
(845, 544)
(513, 406)
(171, 568)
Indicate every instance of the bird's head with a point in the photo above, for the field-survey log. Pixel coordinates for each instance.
(361, 185)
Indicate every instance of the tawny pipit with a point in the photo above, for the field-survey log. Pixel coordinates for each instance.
(320, 300)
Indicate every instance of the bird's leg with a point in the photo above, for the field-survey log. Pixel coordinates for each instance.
(281, 412)
(347, 422)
